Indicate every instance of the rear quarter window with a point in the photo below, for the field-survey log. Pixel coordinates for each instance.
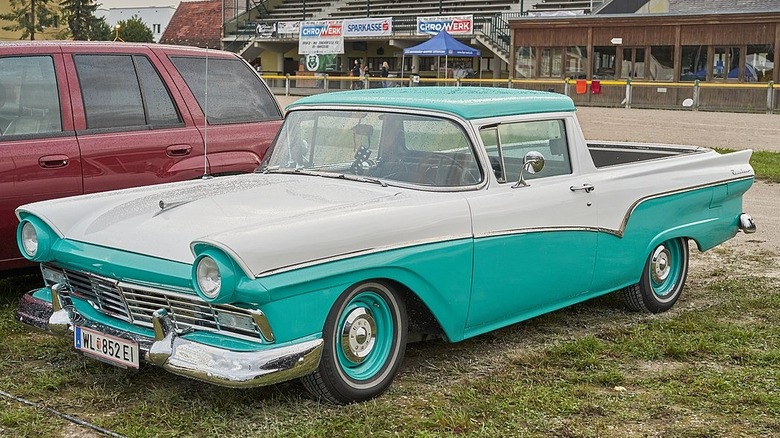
(29, 101)
(235, 93)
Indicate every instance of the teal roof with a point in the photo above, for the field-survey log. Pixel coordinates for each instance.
(466, 102)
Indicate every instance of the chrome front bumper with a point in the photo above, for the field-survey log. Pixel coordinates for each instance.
(169, 350)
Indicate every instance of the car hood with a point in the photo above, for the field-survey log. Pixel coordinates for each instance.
(266, 222)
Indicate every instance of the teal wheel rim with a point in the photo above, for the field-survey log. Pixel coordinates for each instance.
(666, 266)
(364, 339)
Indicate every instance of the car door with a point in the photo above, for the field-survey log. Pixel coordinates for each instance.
(134, 130)
(243, 115)
(534, 242)
(39, 155)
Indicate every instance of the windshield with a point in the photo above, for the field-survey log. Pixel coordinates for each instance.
(420, 150)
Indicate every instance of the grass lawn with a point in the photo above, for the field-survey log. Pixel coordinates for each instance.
(710, 367)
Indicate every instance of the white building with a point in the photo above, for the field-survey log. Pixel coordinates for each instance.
(154, 17)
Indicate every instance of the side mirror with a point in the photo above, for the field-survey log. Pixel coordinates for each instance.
(533, 162)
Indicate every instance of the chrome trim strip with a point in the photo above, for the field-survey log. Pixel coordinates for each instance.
(362, 252)
(172, 352)
(619, 232)
(616, 232)
(533, 230)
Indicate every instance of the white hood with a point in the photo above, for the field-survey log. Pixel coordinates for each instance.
(267, 222)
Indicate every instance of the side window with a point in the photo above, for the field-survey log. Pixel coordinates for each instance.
(115, 97)
(159, 105)
(29, 100)
(109, 85)
(235, 93)
(507, 145)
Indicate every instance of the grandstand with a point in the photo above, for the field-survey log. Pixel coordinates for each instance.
(323, 9)
(250, 31)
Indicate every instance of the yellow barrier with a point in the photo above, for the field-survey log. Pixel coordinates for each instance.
(590, 95)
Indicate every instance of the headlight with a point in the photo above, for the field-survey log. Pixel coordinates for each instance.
(208, 277)
(35, 239)
(215, 276)
(29, 239)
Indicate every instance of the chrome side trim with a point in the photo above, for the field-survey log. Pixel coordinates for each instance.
(636, 203)
(368, 251)
(172, 352)
(529, 230)
(624, 223)
(362, 252)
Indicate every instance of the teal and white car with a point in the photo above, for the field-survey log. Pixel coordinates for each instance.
(380, 217)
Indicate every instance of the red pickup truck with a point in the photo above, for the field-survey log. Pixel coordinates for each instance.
(81, 117)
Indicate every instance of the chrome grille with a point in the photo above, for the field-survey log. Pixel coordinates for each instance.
(101, 292)
(136, 303)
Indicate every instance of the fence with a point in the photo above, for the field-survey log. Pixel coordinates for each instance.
(737, 97)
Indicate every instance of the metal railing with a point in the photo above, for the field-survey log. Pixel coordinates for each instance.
(740, 97)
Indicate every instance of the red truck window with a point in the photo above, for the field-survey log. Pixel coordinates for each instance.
(123, 91)
(227, 80)
(29, 101)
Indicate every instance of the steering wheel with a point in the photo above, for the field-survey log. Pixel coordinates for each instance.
(434, 173)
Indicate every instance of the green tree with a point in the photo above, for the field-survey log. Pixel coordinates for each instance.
(80, 15)
(29, 16)
(134, 30)
(99, 30)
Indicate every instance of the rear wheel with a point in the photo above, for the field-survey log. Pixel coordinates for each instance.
(365, 341)
(663, 278)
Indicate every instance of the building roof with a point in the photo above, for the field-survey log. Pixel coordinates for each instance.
(720, 6)
(195, 23)
(466, 102)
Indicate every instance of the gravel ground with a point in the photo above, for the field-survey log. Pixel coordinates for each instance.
(700, 128)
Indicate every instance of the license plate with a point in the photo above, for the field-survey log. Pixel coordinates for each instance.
(116, 351)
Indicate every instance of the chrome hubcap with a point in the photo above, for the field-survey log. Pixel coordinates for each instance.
(358, 335)
(661, 265)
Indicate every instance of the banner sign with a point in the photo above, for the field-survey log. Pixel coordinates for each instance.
(288, 27)
(321, 63)
(321, 37)
(453, 24)
(368, 27)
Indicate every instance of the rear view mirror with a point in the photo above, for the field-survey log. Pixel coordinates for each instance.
(533, 162)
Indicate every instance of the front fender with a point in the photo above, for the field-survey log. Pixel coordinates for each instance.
(439, 274)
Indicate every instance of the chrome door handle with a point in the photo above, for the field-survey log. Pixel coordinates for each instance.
(586, 187)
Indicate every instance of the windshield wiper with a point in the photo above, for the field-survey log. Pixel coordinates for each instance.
(363, 179)
(302, 171)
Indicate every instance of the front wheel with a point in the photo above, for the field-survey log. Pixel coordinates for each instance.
(365, 341)
(663, 278)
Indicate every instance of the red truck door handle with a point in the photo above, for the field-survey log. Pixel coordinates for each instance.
(53, 161)
(178, 150)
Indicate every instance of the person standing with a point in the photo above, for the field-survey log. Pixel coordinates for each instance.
(356, 72)
(385, 73)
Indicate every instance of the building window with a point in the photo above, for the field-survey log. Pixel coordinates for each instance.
(725, 63)
(551, 62)
(525, 62)
(604, 62)
(693, 63)
(661, 63)
(576, 62)
(633, 65)
(155, 28)
(759, 65)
